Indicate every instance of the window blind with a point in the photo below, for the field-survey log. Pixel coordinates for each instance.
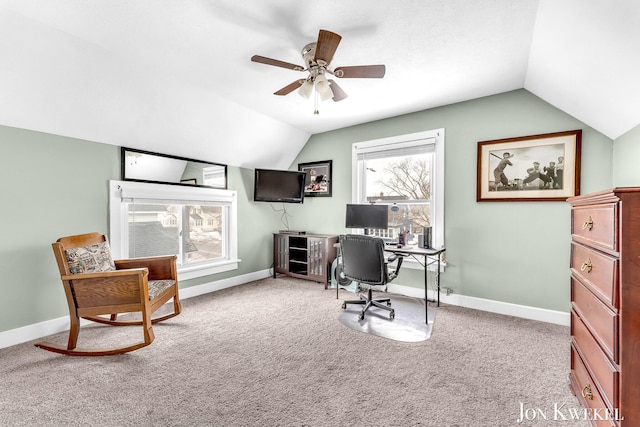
(407, 148)
(178, 195)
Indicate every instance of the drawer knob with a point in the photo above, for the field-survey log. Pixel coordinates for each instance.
(586, 266)
(586, 392)
(588, 224)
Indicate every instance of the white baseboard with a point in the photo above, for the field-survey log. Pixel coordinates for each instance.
(218, 285)
(61, 324)
(499, 307)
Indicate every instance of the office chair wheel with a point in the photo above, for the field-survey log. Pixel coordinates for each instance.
(392, 315)
(344, 305)
(361, 316)
(388, 303)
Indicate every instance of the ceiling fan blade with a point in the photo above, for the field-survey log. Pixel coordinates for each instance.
(276, 63)
(361, 71)
(289, 88)
(338, 93)
(326, 46)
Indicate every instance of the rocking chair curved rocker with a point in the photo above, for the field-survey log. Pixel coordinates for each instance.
(96, 285)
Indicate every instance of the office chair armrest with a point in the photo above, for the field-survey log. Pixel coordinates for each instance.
(393, 257)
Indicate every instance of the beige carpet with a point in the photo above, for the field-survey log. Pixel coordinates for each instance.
(273, 353)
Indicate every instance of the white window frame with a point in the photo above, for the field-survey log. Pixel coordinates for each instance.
(119, 227)
(436, 137)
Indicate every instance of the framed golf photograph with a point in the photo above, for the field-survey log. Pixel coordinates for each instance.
(542, 167)
(318, 178)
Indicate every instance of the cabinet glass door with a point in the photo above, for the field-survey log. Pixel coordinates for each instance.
(316, 250)
(280, 253)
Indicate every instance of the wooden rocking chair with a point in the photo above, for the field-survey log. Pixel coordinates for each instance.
(97, 285)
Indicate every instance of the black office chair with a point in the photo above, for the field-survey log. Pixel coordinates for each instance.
(363, 261)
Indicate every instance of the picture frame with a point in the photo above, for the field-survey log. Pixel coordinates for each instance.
(318, 178)
(543, 167)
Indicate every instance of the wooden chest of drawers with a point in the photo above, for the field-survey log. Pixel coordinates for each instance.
(605, 305)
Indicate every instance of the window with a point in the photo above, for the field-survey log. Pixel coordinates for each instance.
(407, 174)
(196, 224)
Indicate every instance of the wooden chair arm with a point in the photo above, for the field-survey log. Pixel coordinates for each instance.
(162, 267)
(170, 258)
(106, 274)
(95, 292)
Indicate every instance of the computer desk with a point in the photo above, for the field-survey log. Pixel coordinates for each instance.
(430, 256)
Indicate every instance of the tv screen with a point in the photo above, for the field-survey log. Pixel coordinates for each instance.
(278, 186)
(367, 216)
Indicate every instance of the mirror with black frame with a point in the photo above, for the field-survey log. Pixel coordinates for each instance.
(145, 166)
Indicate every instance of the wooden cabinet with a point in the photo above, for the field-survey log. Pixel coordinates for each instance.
(305, 256)
(605, 305)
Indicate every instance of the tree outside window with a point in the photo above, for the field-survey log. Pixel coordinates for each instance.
(403, 183)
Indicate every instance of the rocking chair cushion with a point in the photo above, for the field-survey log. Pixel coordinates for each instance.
(90, 259)
(156, 287)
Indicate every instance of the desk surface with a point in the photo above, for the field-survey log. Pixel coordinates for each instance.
(414, 250)
(408, 250)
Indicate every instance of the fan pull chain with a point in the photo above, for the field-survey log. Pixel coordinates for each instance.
(315, 98)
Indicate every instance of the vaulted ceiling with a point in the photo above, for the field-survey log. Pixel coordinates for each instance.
(175, 76)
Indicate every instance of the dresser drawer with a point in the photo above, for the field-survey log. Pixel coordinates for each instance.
(596, 225)
(600, 319)
(585, 389)
(597, 362)
(597, 270)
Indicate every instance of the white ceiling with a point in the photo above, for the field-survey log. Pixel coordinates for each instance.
(175, 76)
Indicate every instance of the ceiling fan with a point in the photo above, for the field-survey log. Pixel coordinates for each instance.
(317, 57)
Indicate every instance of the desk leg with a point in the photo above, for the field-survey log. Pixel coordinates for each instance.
(438, 279)
(426, 299)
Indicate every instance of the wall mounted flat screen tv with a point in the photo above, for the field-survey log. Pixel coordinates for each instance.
(367, 216)
(278, 186)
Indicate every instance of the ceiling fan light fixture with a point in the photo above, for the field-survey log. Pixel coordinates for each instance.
(306, 89)
(322, 88)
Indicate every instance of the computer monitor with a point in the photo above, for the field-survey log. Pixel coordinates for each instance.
(367, 216)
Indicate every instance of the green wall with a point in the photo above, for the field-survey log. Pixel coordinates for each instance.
(55, 186)
(626, 159)
(514, 252)
(511, 252)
